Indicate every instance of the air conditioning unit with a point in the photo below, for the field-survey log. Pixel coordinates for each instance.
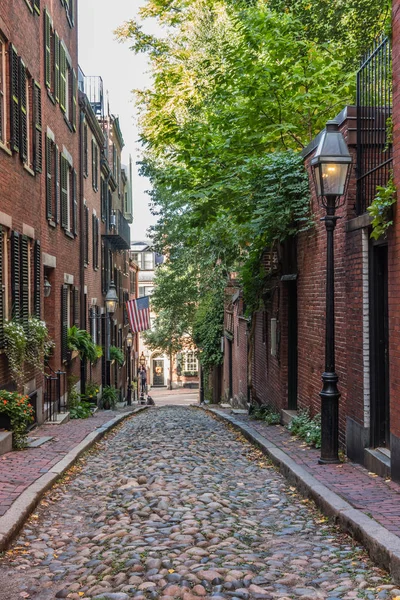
(113, 221)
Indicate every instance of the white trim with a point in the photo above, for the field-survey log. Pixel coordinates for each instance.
(50, 134)
(68, 156)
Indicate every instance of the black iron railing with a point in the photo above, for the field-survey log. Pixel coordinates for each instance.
(95, 92)
(374, 111)
(55, 397)
(118, 232)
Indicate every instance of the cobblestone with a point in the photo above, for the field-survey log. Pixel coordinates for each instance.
(176, 505)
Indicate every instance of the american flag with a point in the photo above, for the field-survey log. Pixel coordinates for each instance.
(139, 314)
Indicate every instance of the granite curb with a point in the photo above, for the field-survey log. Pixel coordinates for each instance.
(382, 545)
(12, 521)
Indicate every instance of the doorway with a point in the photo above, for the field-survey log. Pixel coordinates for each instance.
(158, 372)
(379, 349)
(292, 344)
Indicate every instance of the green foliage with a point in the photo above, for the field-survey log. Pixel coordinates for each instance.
(91, 390)
(190, 373)
(238, 89)
(21, 414)
(26, 344)
(117, 355)
(81, 410)
(306, 428)
(267, 414)
(109, 398)
(81, 341)
(381, 209)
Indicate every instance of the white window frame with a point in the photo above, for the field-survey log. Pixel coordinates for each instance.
(190, 361)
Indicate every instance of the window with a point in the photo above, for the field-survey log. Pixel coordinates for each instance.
(190, 362)
(132, 282)
(148, 261)
(145, 290)
(3, 92)
(95, 240)
(23, 254)
(34, 5)
(52, 183)
(86, 250)
(68, 193)
(85, 151)
(70, 10)
(69, 315)
(114, 168)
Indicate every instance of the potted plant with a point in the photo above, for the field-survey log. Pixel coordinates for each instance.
(81, 344)
(117, 355)
(109, 397)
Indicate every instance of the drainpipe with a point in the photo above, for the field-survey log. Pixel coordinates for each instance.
(82, 243)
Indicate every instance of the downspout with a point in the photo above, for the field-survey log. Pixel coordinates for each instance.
(81, 242)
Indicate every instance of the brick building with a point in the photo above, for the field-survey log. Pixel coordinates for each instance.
(286, 343)
(65, 202)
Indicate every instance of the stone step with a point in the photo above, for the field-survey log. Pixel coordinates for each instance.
(5, 442)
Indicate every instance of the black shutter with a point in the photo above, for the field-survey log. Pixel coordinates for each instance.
(23, 116)
(64, 191)
(85, 150)
(14, 98)
(98, 324)
(2, 315)
(93, 166)
(94, 241)
(36, 6)
(56, 183)
(49, 182)
(56, 67)
(64, 322)
(103, 268)
(15, 274)
(86, 248)
(74, 200)
(37, 128)
(25, 256)
(47, 50)
(76, 306)
(73, 116)
(97, 242)
(37, 279)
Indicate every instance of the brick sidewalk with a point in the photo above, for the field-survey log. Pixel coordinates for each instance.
(376, 497)
(20, 469)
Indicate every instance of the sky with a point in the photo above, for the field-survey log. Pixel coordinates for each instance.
(122, 71)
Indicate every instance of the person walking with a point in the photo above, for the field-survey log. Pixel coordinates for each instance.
(142, 379)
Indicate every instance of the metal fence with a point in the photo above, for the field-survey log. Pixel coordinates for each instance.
(374, 111)
(55, 396)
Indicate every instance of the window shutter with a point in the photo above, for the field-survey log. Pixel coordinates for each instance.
(103, 268)
(85, 150)
(37, 279)
(14, 99)
(63, 78)
(25, 279)
(36, 6)
(93, 165)
(64, 322)
(56, 183)
(74, 202)
(73, 116)
(49, 182)
(94, 241)
(15, 274)
(98, 324)
(23, 130)
(103, 191)
(64, 191)
(2, 315)
(97, 241)
(56, 67)
(37, 128)
(76, 306)
(47, 49)
(86, 255)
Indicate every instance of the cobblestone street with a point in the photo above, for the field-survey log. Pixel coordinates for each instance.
(173, 504)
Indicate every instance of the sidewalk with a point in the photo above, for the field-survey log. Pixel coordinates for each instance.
(364, 504)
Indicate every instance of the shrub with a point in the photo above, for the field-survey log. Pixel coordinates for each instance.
(91, 390)
(21, 414)
(117, 355)
(81, 410)
(81, 341)
(267, 414)
(306, 428)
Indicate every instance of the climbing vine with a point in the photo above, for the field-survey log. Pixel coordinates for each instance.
(381, 209)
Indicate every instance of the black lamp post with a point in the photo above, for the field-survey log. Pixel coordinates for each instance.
(331, 166)
(111, 302)
(129, 342)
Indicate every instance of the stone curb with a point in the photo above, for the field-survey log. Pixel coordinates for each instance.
(12, 521)
(382, 545)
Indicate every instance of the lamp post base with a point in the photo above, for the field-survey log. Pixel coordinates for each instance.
(329, 419)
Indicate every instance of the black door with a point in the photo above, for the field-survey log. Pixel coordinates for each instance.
(230, 367)
(292, 345)
(380, 424)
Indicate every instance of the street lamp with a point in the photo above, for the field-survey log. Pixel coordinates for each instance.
(111, 302)
(331, 166)
(129, 342)
(142, 360)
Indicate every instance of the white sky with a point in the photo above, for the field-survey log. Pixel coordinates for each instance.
(122, 71)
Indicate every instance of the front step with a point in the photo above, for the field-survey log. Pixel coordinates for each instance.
(5, 442)
(377, 461)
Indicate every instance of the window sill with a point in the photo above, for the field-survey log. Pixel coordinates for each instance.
(5, 149)
(29, 170)
(52, 223)
(69, 234)
(68, 123)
